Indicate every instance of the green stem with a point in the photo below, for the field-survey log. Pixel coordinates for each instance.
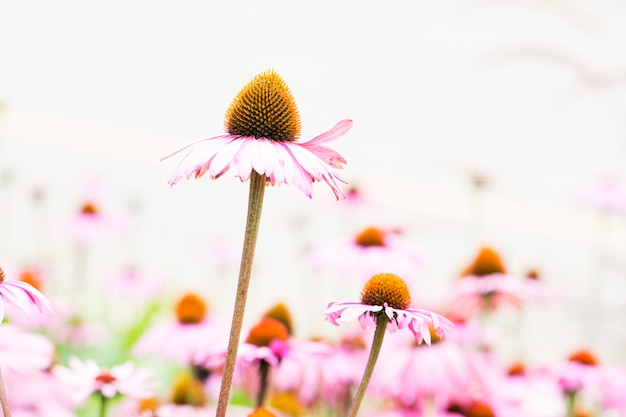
(255, 204)
(3, 398)
(377, 342)
(103, 406)
(571, 403)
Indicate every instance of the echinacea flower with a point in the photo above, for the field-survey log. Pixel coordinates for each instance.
(385, 301)
(22, 351)
(193, 337)
(39, 393)
(87, 377)
(263, 127)
(89, 224)
(261, 145)
(386, 294)
(485, 285)
(22, 295)
(372, 249)
(436, 376)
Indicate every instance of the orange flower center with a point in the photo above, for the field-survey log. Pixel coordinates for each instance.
(261, 412)
(533, 274)
(264, 108)
(353, 342)
(480, 410)
(2, 276)
(583, 357)
(191, 309)
(31, 276)
(281, 313)
(517, 369)
(148, 404)
(188, 391)
(89, 209)
(386, 288)
(370, 237)
(106, 378)
(487, 262)
(267, 330)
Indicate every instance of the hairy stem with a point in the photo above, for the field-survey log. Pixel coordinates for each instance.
(255, 204)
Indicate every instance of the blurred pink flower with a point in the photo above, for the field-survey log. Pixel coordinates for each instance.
(89, 225)
(371, 251)
(417, 320)
(134, 284)
(442, 374)
(266, 144)
(22, 351)
(22, 295)
(88, 378)
(604, 194)
(613, 390)
(485, 285)
(342, 369)
(191, 338)
(39, 394)
(580, 371)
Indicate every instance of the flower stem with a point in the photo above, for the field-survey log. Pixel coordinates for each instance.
(3, 397)
(103, 406)
(570, 398)
(264, 368)
(255, 204)
(377, 342)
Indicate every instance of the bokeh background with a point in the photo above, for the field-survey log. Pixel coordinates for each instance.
(526, 97)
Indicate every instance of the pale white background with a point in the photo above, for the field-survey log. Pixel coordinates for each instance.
(528, 94)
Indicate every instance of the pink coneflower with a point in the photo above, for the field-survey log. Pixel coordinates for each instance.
(263, 126)
(436, 376)
(341, 370)
(191, 338)
(373, 249)
(21, 351)
(579, 376)
(22, 295)
(39, 393)
(293, 364)
(387, 295)
(87, 378)
(385, 301)
(88, 224)
(485, 285)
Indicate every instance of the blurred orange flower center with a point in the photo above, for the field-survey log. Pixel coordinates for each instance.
(371, 236)
(191, 309)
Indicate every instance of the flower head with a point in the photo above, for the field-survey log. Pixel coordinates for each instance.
(487, 262)
(192, 337)
(88, 377)
(263, 126)
(368, 252)
(22, 295)
(388, 294)
(281, 313)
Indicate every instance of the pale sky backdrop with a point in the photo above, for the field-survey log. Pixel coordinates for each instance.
(530, 95)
